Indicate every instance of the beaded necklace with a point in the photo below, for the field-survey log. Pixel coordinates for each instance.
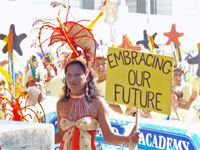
(77, 107)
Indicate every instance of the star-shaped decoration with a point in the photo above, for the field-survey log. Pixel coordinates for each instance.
(127, 44)
(196, 60)
(145, 42)
(108, 9)
(173, 36)
(16, 40)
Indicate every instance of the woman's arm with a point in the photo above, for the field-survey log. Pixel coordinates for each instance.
(60, 133)
(192, 98)
(109, 136)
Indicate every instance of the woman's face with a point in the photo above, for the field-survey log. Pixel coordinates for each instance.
(76, 78)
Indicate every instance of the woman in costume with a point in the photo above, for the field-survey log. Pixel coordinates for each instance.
(81, 109)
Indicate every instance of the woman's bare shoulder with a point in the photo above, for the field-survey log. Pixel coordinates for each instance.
(60, 106)
(60, 102)
(99, 99)
(100, 102)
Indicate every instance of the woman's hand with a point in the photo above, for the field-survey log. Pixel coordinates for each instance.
(134, 136)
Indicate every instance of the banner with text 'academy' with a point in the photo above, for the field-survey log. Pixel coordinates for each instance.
(137, 79)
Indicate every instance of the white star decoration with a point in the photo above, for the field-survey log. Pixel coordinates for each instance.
(108, 8)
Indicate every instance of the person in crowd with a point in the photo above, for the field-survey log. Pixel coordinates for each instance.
(181, 88)
(181, 95)
(54, 83)
(81, 110)
(36, 89)
(37, 97)
(181, 92)
(194, 101)
(100, 70)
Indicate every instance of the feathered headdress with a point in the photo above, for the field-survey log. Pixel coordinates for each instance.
(180, 67)
(34, 69)
(70, 34)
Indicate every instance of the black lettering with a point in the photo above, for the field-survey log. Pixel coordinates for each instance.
(142, 58)
(117, 92)
(126, 101)
(157, 101)
(153, 61)
(127, 59)
(118, 58)
(133, 76)
(158, 64)
(141, 102)
(150, 97)
(147, 60)
(134, 56)
(137, 78)
(110, 61)
(163, 68)
(146, 77)
(135, 98)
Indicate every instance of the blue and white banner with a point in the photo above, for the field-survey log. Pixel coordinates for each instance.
(155, 134)
(156, 139)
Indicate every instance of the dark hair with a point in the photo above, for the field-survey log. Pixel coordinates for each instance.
(92, 90)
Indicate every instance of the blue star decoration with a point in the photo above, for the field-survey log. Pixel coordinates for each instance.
(16, 40)
(146, 42)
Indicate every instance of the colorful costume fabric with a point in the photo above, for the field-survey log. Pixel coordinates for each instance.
(79, 126)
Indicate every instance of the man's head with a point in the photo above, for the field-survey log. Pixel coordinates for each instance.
(178, 73)
(100, 65)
